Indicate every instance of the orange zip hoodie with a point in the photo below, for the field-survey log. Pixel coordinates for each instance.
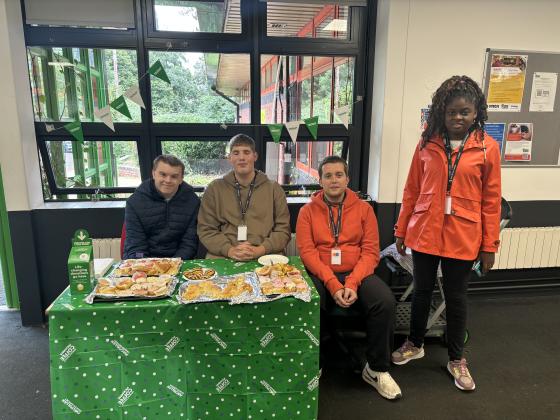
(358, 240)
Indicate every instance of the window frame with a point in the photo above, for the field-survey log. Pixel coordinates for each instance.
(254, 41)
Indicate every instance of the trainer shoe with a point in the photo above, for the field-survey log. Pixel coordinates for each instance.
(406, 353)
(463, 379)
(382, 382)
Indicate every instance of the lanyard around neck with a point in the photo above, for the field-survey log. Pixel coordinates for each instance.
(245, 207)
(452, 166)
(335, 227)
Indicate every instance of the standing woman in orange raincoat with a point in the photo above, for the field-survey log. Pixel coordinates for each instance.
(450, 213)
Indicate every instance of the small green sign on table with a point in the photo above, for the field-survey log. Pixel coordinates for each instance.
(81, 274)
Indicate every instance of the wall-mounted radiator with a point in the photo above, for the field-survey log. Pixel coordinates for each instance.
(537, 247)
(107, 248)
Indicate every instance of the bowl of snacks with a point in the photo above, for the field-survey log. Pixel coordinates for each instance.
(199, 273)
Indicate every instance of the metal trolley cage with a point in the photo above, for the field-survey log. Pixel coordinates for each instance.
(436, 325)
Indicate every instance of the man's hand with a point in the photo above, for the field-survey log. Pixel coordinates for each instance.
(339, 299)
(486, 261)
(345, 297)
(246, 252)
(401, 248)
(239, 253)
(350, 296)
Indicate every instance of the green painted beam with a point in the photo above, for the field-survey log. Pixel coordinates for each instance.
(6, 253)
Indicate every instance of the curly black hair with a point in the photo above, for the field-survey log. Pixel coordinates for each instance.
(455, 87)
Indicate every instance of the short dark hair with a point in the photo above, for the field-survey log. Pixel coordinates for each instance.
(332, 159)
(524, 129)
(241, 140)
(171, 161)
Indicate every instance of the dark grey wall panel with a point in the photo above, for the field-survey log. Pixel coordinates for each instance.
(53, 232)
(24, 248)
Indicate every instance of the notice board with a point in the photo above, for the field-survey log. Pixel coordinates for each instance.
(523, 95)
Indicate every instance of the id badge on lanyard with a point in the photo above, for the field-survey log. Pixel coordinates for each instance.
(336, 253)
(447, 207)
(242, 229)
(451, 171)
(241, 233)
(336, 256)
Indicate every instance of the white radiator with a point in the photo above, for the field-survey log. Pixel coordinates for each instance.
(529, 248)
(107, 248)
(291, 248)
(111, 248)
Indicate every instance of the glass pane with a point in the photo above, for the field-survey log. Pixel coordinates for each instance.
(205, 88)
(198, 16)
(74, 93)
(204, 160)
(120, 71)
(307, 20)
(309, 91)
(94, 163)
(298, 164)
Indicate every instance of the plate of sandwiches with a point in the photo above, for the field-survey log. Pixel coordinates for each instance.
(138, 286)
(149, 266)
(281, 279)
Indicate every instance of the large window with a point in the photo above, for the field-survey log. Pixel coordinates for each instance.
(233, 67)
(205, 88)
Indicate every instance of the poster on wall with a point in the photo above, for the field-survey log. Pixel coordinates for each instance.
(543, 92)
(507, 81)
(497, 131)
(424, 115)
(519, 142)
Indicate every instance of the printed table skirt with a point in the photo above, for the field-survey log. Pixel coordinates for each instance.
(161, 359)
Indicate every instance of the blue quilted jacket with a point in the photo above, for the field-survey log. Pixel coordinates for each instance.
(159, 228)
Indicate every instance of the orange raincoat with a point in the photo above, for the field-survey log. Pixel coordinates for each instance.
(474, 222)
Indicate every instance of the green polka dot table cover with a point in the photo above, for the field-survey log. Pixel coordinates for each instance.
(160, 359)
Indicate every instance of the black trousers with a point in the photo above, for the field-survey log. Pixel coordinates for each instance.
(455, 283)
(377, 303)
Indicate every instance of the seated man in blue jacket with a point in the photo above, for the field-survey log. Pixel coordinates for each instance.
(160, 216)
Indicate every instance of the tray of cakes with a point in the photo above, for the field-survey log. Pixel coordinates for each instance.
(139, 286)
(237, 288)
(151, 266)
(280, 280)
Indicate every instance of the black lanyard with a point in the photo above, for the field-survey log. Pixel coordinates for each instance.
(452, 166)
(335, 228)
(245, 207)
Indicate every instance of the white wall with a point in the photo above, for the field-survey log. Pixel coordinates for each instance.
(18, 149)
(419, 44)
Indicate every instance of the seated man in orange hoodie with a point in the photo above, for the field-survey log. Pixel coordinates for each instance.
(338, 242)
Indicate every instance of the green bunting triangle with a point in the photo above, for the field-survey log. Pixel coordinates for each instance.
(312, 125)
(157, 70)
(120, 105)
(75, 128)
(275, 131)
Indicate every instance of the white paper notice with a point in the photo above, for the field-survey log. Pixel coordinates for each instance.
(543, 92)
(518, 151)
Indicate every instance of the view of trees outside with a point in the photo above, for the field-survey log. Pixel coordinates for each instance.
(204, 160)
(94, 163)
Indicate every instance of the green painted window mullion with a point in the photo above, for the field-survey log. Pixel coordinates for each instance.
(70, 82)
(107, 149)
(88, 94)
(102, 85)
(50, 87)
(6, 253)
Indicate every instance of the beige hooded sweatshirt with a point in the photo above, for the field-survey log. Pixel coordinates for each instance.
(267, 218)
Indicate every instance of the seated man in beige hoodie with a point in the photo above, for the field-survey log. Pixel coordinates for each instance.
(243, 215)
